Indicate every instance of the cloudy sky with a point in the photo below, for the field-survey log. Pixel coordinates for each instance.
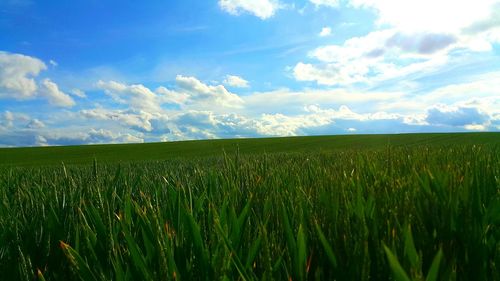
(77, 72)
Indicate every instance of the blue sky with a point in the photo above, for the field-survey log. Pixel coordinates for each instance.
(83, 72)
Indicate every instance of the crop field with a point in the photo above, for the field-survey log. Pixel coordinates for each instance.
(366, 207)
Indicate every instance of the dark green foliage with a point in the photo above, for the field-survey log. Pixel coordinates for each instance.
(416, 212)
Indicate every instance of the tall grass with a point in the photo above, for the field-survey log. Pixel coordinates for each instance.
(420, 213)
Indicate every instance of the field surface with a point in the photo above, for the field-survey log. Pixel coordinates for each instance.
(367, 207)
(30, 156)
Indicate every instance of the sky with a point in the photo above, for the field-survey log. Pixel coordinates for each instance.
(87, 72)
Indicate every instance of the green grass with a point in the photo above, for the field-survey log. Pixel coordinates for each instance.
(406, 207)
(187, 149)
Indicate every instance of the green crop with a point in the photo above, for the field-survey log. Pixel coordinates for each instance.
(429, 210)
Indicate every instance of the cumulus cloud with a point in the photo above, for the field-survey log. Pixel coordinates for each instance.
(456, 116)
(137, 96)
(16, 75)
(137, 120)
(206, 124)
(56, 97)
(263, 9)
(201, 124)
(145, 113)
(196, 90)
(328, 3)
(169, 96)
(106, 136)
(90, 136)
(43, 137)
(317, 120)
(17, 80)
(188, 91)
(35, 124)
(325, 31)
(236, 81)
(200, 119)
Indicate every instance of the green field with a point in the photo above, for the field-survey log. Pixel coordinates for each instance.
(366, 207)
(189, 149)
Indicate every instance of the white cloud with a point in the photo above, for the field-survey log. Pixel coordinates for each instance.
(189, 92)
(483, 92)
(136, 120)
(314, 119)
(263, 9)
(421, 43)
(376, 57)
(169, 96)
(16, 75)
(475, 127)
(482, 34)
(294, 101)
(236, 81)
(345, 113)
(53, 63)
(35, 124)
(325, 31)
(199, 91)
(137, 96)
(56, 97)
(331, 74)
(456, 116)
(195, 124)
(414, 37)
(78, 93)
(8, 119)
(17, 80)
(88, 136)
(328, 3)
(106, 136)
(429, 15)
(356, 47)
(146, 114)
(344, 64)
(40, 141)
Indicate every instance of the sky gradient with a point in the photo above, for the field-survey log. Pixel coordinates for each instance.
(83, 72)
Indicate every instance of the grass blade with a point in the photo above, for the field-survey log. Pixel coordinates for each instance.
(326, 246)
(432, 275)
(398, 272)
(81, 266)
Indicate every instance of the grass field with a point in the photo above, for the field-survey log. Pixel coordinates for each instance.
(189, 149)
(370, 207)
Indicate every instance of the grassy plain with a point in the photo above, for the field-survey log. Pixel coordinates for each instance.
(28, 156)
(369, 207)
